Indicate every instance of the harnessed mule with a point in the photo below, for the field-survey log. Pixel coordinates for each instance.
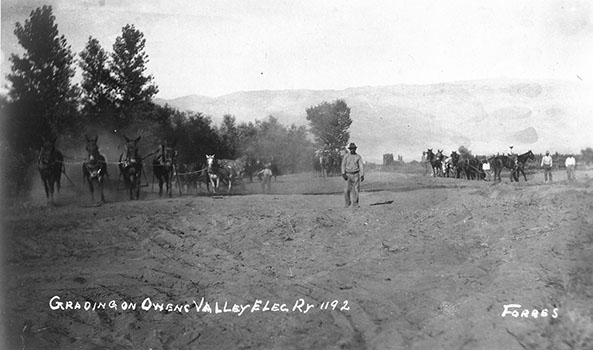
(193, 175)
(51, 165)
(224, 170)
(454, 168)
(95, 168)
(130, 166)
(435, 162)
(164, 167)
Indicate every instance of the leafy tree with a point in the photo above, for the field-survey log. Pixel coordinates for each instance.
(587, 155)
(329, 123)
(41, 88)
(97, 83)
(132, 87)
(248, 139)
(268, 139)
(194, 136)
(464, 153)
(229, 135)
(298, 149)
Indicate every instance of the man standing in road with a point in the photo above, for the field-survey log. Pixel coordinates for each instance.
(353, 173)
(570, 164)
(547, 165)
(266, 178)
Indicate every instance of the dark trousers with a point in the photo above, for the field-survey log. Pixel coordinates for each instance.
(352, 188)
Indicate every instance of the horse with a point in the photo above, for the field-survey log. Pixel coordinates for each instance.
(130, 167)
(95, 168)
(497, 163)
(224, 170)
(51, 165)
(435, 162)
(521, 160)
(164, 167)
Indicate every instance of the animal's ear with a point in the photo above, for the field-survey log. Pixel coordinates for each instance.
(96, 138)
(86, 137)
(127, 139)
(138, 138)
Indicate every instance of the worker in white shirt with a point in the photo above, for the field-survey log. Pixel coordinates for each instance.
(547, 165)
(571, 165)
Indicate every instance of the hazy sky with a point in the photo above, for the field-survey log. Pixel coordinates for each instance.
(215, 47)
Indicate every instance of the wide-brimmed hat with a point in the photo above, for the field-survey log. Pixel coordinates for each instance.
(352, 145)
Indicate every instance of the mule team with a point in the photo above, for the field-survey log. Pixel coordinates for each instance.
(94, 169)
(474, 168)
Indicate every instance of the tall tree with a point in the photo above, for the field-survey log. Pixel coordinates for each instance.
(97, 83)
(229, 135)
(587, 155)
(132, 86)
(41, 78)
(329, 124)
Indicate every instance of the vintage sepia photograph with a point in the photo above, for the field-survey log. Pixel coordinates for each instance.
(275, 174)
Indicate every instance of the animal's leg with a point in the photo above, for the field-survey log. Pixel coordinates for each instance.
(92, 189)
(137, 183)
(170, 186)
(51, 189)
(46, 187)
(160, 185)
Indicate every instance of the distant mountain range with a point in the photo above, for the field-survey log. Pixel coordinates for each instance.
(484, 116)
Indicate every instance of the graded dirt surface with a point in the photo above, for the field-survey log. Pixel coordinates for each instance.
(424, 263)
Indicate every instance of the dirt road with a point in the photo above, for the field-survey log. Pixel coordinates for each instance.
(424, 263)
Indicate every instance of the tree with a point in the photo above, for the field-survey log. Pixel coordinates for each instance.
(229, 135)
(97, 83)
(464, 153)
(45, 99)
(131, 85)
(587, 155)
(329, 124)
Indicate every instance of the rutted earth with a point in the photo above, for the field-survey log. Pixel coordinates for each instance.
(424, 263)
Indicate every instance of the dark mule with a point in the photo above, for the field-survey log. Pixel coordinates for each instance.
(164, 167)
(51, 165)
(192, 176)
(500, 162)
(436, 162)
(454, 165)
(130, 167)
(95, 167)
